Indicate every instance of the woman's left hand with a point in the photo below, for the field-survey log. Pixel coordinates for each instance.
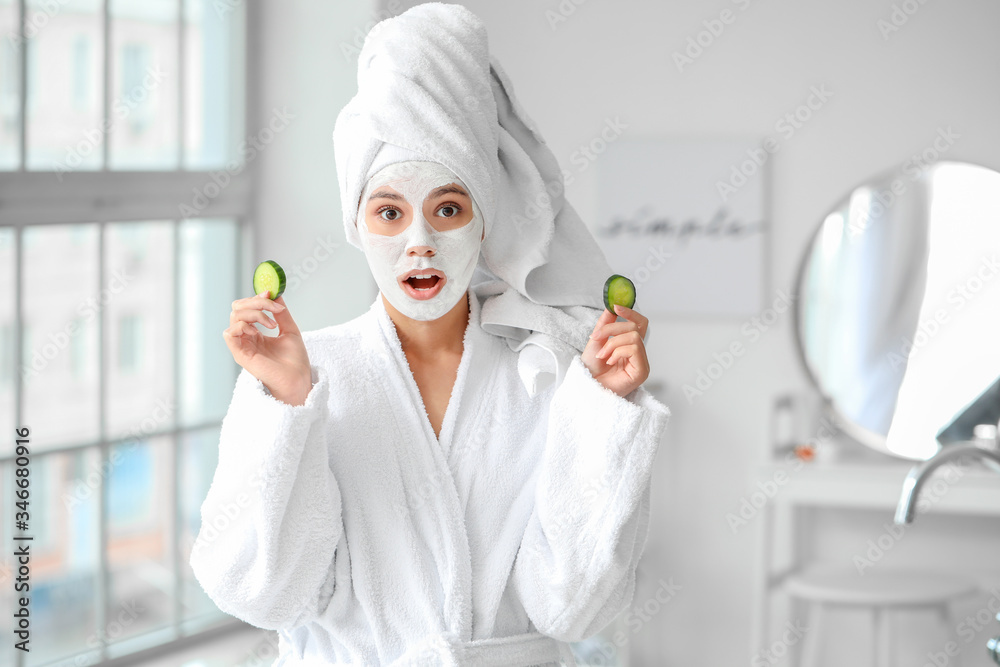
(615, 354)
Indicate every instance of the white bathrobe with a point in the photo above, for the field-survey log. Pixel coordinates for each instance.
(348, 527)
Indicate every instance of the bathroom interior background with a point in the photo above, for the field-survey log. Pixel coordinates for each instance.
(577, 64)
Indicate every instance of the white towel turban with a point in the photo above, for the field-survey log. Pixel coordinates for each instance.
(428, 89)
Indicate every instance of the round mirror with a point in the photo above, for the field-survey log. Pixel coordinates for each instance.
(898, 308)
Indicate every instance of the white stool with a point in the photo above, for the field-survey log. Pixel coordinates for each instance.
(880, 591)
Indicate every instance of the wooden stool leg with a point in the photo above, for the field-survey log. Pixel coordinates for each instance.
(882, 637)
(813, 637)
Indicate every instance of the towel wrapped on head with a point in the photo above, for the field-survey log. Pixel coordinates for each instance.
(429, 89)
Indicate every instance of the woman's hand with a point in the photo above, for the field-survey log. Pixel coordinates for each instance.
(615, 354)
(280, 362)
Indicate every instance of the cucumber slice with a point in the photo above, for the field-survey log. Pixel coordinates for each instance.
(269, 276)
(618, 290)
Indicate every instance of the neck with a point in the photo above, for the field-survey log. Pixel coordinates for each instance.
(429, 339)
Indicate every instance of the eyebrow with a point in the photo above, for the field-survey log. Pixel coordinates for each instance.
(385, 194)
(437, 192)
(445, 189)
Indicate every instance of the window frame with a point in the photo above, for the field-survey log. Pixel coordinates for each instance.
(105, 196)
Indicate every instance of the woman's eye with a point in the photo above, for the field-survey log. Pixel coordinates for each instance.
(449, 207)
(394, 212)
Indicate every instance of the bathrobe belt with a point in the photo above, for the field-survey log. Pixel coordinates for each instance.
(532, 648)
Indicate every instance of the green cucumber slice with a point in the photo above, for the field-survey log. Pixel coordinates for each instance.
(269, 276)
(618, 290)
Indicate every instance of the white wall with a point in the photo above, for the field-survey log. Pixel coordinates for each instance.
(608, 59)
(306, 52)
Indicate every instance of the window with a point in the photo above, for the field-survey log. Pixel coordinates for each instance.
(8, 82)
(129, 343)
(81, 73)
(112, 113)
(31, 56)
(10, 97)
(135, 238)
(135, 63)
(135, 69)
(8, 90)
(128, 489)
(27, 343)
(79, 348)
(6, 356)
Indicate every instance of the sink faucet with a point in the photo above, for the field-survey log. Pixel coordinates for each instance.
(985, 446)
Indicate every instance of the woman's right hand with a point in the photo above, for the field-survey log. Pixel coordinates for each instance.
(280, 362)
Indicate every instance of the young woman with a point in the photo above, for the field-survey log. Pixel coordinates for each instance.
(459, 475)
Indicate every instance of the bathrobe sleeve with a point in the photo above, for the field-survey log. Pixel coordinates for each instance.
(576, 566)
(271, 520)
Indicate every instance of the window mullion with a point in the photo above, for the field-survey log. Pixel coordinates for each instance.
(32, 197)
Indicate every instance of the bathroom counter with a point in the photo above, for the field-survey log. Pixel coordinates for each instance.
(970, 490)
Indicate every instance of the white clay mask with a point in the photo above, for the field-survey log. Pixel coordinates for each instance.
(456, 251)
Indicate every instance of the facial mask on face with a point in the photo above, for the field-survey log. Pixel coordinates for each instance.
(456, 251)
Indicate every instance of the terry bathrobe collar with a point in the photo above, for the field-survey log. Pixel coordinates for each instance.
(471, 343)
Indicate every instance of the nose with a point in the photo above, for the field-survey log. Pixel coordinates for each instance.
(420, 240)
(421, 251)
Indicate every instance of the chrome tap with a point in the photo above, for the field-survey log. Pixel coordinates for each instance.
(993, 647)
(985, 446)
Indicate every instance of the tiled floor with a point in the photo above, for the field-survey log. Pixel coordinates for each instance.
(251, 647)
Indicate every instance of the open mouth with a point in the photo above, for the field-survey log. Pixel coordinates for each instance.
(423, 283)
(423, 286)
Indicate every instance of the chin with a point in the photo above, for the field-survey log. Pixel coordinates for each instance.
(414, 306)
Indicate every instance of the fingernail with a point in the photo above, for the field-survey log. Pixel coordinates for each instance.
(618, 308)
